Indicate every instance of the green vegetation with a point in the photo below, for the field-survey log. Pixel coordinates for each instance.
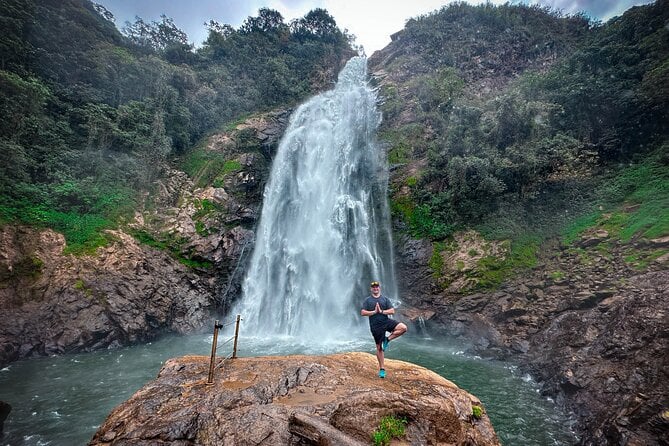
(436, 262)
(634, 202)
(172, 245)
(91, 115)
(533, 156)
(390, 427)
(491, 271)
(477, 412)
(30, 266)
(570, 150)
(81, 286)
(640, 259)
(557, 275)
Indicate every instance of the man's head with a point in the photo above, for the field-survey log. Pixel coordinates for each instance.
(376, 288)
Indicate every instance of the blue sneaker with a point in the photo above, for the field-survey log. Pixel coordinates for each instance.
(384, 343)
(382, 373)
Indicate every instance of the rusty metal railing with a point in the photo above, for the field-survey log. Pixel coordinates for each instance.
(214, 344)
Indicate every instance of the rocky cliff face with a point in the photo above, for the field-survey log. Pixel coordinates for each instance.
(183, 263)
(294, 400)
(54, 303)
(589, 324)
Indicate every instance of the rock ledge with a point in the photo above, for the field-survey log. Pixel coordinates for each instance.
(294, 400)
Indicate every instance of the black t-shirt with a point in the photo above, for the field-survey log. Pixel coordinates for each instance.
(369, 304)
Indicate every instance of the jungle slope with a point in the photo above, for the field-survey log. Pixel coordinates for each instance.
(530, 194)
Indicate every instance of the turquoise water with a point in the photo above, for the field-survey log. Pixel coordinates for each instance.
(62, 400)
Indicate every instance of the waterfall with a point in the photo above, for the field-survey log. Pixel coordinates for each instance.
(324, 231)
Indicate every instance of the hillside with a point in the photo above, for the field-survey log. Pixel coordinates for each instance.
(530, 191)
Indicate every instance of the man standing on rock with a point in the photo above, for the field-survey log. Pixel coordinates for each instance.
(377, 307)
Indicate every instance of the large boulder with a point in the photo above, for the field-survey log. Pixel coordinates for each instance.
(290, 400)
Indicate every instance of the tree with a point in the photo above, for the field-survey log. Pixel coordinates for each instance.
(268, 21)
(156, 36)
(318, 23)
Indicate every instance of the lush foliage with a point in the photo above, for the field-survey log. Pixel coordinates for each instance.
(91, 116)
(532, 152)
(390, 427)
(631, 201)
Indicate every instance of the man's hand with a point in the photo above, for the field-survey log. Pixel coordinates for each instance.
(378, 308)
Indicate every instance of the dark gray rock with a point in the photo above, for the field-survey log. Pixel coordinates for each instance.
(5, 408)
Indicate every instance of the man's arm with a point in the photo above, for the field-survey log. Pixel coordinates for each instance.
(390, 309)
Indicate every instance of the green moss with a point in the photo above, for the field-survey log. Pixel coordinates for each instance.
(204, 207)
(201, 229)
(171, 245)
(81, 286)
(229, 167)
(436, 262)
(492, 271)
(557, 275)
(207, 167)
(641, 260)
(477, 412)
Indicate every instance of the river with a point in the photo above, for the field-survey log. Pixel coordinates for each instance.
(62, 400)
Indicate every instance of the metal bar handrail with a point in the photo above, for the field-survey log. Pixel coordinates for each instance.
(214, 344)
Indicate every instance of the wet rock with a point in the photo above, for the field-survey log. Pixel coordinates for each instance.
(5, 408)
(334, 399)
(126, 293)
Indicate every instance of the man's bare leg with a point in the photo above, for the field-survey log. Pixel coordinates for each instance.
(399, 330)
(379, 355)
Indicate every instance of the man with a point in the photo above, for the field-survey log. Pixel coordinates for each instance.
(377, 308)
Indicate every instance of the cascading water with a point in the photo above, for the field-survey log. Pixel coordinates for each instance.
(324, 229)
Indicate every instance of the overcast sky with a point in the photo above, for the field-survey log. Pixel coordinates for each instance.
(371, 21)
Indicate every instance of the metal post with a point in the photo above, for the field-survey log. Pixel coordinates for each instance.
(210, 378)
(234, 347)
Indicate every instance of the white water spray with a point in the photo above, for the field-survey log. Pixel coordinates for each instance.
(324, 230)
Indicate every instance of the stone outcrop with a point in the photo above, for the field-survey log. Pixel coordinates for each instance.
(586, 323)
(294, 400)
(55, 303)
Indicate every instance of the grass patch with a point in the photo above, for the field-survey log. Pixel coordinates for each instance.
(390, 427)
(640, 260)
(207, 167)
(557, 275)
(492, 271)
(637, 203)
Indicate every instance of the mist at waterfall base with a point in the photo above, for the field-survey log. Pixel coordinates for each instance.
(323, 235)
